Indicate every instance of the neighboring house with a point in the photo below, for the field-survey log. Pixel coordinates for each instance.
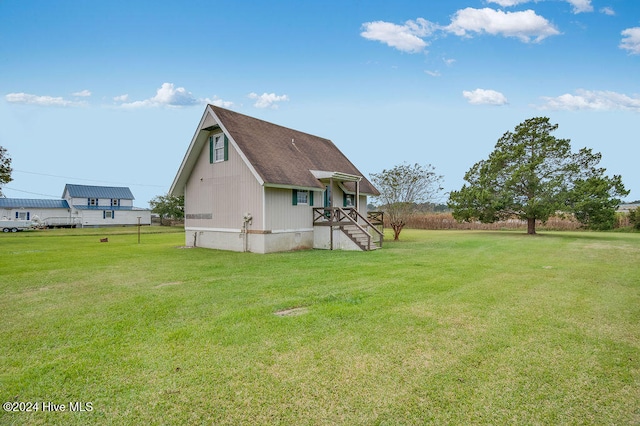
(250, 185)
(32, 209)
(80, 206)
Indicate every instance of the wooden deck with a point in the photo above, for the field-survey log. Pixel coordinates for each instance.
(363, 231)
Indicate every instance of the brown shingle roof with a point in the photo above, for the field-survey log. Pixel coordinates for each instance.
(283, 156)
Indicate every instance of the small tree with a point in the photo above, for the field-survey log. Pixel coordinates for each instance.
(402, 188)
(167, 206)
(5, 168)
(533, 175)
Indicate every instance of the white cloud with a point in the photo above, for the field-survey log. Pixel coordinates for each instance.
(219, 102)
(631, 40)
(608, 11)
(166, 95)
(82, 94)
(597, 100)
(121, 98)
(525, 26)
(508, 3)
(25, 98)
(484, 97)
(579, 6)
(267, 100)
(406, 38)
(174, 96)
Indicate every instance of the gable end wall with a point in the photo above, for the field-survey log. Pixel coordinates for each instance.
(218, 195)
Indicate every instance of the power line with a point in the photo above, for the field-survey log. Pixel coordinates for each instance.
(33, 193)
(87, 180)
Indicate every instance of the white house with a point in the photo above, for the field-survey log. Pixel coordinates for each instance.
(250, 185)
(80, 206)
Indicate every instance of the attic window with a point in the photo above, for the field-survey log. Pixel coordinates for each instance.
(218, 148)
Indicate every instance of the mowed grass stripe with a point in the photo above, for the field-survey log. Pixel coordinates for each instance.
(441, 327)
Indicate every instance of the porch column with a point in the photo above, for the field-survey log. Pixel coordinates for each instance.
(331, 192)
(331, 212)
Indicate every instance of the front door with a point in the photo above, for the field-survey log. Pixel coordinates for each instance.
(327, 196)
(327, 202)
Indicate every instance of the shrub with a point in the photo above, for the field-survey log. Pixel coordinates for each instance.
(634, 218)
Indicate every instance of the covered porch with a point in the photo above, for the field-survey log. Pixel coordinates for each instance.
(343, 222)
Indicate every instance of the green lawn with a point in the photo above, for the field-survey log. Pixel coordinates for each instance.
(443, 327)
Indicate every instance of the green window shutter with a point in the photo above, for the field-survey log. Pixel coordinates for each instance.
(294, 197)
(226, 148)
(211, 150)
(311, 198)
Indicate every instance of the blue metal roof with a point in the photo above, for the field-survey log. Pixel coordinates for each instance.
(81, 191)
(27, 203)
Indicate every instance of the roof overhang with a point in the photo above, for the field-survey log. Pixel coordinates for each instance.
(197, 142)
(302, 188)
(344, 177)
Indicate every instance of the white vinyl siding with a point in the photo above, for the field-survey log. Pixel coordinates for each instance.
(282, 215)
(218, 196)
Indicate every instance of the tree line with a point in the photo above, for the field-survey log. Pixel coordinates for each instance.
(531, 175)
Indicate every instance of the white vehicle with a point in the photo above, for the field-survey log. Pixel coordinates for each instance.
(14, 225)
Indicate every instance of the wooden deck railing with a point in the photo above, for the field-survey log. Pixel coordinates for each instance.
(338, 216)
(377, 218)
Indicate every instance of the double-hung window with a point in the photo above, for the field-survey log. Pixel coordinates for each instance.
(303, 197)
(218, 148)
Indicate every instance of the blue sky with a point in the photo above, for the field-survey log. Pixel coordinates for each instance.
(110, 93)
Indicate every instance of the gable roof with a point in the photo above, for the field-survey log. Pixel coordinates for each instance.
(29, 203)
(82, 191)
(277, 155)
